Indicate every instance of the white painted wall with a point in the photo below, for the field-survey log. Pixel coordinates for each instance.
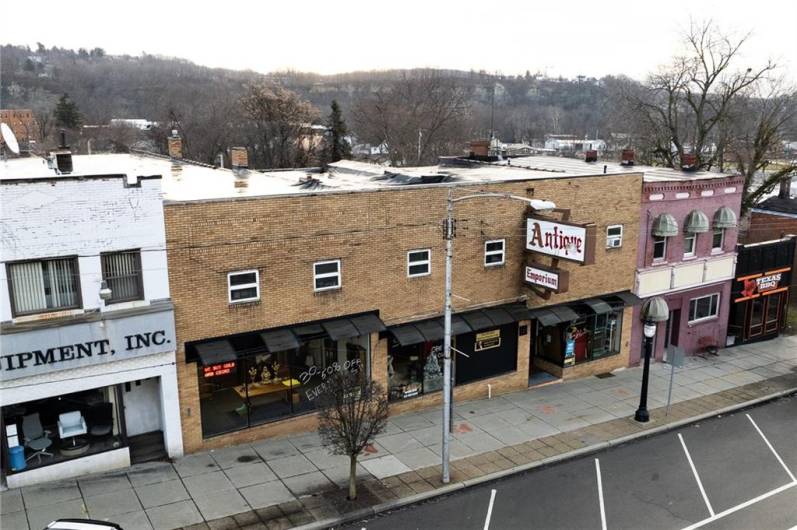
(142, 406)
(84, 217)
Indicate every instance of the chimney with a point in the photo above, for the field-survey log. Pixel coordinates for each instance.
(591, 156)
(63, 157)
(239, 158)
(627, 158)
(175, 145)
(689, 162)
(479, 148)
(785, 188)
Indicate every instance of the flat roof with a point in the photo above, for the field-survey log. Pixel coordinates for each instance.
(187, 181)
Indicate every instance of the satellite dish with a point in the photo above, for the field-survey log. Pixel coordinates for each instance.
(8, 137)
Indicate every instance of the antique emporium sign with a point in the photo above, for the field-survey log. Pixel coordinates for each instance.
(555, 280)
(761, 284)
(45, 350)
(574, 242)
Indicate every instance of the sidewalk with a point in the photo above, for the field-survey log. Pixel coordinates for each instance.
(281, 483)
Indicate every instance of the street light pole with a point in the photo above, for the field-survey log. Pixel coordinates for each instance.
(448, 231)
(654, 310)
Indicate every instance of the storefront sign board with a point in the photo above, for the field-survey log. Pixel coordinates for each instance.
(556, 280)
(46, 350)
(488, 340)
(574, 242)
(762, 284)
(216, 370)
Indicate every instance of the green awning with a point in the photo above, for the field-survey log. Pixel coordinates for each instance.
(724, 218)
(665, 225)
(696, 222)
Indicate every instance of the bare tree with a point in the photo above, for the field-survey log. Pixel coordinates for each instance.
(686, 105)
(352, 413)
(279, 121)
(418, 117)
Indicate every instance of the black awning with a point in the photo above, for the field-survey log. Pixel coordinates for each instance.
(341, 328)
(477, 320)
(545, 317)
(565, 314)
(407, 334)
(598, 306)
(367, 324)
(498, 315)
(280, 340)
(458, 325)
(308, 329)
(431, 330)
(215, 352)
(517, 311)
(628, 298)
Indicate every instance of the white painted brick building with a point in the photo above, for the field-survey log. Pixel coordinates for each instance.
(87, 373)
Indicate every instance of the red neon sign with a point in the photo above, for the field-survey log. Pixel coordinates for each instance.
(216, 370)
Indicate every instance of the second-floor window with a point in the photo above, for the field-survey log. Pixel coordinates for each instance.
(689, 245)
(326, 275)
(121, 272)
(717, 239)
(243, 286)
(494, 252)
(419, 262)
(659, 248)
(44, 285)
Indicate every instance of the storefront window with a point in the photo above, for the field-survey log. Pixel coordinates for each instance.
(414, 370)
(268, 386)
(586, 339)
(486, 353)
(57, 429)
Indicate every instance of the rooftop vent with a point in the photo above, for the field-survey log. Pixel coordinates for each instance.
(627, 157)
(175, 144)
(689, 162)
(62, 158)
(591, 156)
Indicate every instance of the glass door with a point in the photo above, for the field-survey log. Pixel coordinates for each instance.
(756, 325)
(774, 306)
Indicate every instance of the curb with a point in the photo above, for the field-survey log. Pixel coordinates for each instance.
(445, 490)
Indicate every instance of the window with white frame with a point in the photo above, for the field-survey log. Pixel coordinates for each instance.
(44, 285)
(717, 240)
(689, 245)
(419, 262)
(659, 248)
(494, 252)
(243, 286)
(326, 275)
(614, 236)
(704, 308)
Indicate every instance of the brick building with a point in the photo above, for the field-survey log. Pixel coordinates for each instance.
(21, 122)
(279, 277)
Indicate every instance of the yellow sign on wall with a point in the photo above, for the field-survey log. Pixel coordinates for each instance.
(488, 340)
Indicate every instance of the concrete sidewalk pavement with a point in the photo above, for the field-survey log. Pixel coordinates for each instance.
(281, 483)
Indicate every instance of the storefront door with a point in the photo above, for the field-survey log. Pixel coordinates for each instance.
(765, 315)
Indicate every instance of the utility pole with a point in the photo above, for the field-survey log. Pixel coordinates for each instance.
(420, 138)
(449, 236)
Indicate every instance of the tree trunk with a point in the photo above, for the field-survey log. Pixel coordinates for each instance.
(352, 477)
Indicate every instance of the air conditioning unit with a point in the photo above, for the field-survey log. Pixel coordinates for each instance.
(614, 242)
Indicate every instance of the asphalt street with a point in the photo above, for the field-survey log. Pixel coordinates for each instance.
(729, 472)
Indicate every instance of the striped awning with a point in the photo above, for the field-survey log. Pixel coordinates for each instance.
(696, 223)
(665, 225)
(725, 218)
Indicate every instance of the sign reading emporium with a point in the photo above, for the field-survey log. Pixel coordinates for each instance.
(574, 242)
(45, 350)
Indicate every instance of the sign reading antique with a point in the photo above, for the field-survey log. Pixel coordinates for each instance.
(543, 278)
(216, 370)
(560, 240)
(44, 350)
(488, 340)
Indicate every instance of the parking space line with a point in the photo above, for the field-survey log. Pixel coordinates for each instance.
(782, 463)
(741, 506)
(697, 477)
(489, 511)
(600, 494)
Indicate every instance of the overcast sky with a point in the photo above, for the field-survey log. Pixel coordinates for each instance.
(557, 37)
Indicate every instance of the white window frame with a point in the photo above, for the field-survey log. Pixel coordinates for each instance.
(610, 238)
(231, 287)
(323, 275)
(427, 262)
(501, 253)
(664, 257)
(709, 317)
(717, 250)
(691, 253)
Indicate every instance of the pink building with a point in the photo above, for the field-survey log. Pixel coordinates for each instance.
(687, 255)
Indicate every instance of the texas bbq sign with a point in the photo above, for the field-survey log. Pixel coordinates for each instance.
(559, 240)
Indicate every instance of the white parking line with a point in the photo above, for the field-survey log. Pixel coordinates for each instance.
(741, 506)
(791, 475)
(489, 511)
(697, 477)
(600, 494)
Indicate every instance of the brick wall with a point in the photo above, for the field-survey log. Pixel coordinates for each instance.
(371, 232)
